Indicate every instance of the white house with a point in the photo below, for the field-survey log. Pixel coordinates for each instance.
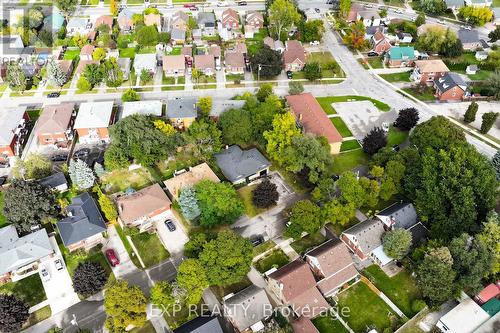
(463, 318)
(78, 25)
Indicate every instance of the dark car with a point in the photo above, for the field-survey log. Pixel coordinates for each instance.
(242, 3)
(59, 158)
(170, 225)
(289, 74)
(316, 10)
(3, 179)
(257, 240)
(4, 164)
(82, 153)
(54, 95)
(112, 258)
(396, 148)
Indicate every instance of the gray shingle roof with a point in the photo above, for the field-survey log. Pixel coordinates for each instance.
(468, 36)
(202, 324)
(368, 234)
(221, 106)
(448, 81)
(247, 307)
(9, 120)
(400, 215)
(206, 19)
(178, 34)
(84, 220)
(182, 108)
(237, 164)
(54, 180)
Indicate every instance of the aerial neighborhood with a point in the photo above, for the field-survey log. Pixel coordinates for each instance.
(250, 166)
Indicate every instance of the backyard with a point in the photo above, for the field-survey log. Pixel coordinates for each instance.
(401, 288)
(30, 289)
(329, 324)
(366, 309)
(151, 250)
(3, 220)
(275, 259)
(306, 243)
(349, 160)
(120, 180)
(261, 248)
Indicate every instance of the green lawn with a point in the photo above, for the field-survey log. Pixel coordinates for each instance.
(170, 80)
(397, 77)
(127, 53)
(72, 259)
(329, 324)
(303, 245)
(71, 54)
(330, 68)
(3, 220)
(261, 248)
(246, 196)
(427, 95)
(349, 98)
(401, 289)
(277, 258)
(326, 104)
(366, 309)
(150, 248)
(349, 160)
(128, 247)
(29, 289)
(376, 62)
(396, 136)
(201, 82)
(235, 77)
(349, 145)
(480, 75)
(341, 126)
(38, 316)
(147, 50)
(120, 180)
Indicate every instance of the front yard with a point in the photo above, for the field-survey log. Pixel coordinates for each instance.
(349, 145)
(72, 259)
(365, 309)
(341, 126)
(376, 62)
(246, 197)
(205, 82)
(397, 77)
(306, 243)
(170, 80)
(424, 95)
(30, 289)
(277, 258)
(330, 68)
(151, 250)
(261, 248)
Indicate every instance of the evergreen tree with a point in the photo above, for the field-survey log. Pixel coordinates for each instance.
(189, 204)
(55, 74)
(81, 175)
(470, 114)
(489, 119)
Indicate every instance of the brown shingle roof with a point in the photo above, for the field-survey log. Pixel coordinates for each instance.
(330, 284)
(192, 177)
(173, 62)
(431, 66)
(105, 19)
(65, 65)
(203, 61)
(215, 50)
(142, 203)
(229, 15)
(234, 59)
(310, 303)
(332, 256)
(269, 41)
(304, 325)
(187, 51)
(254, 15)
(55, 118)
(314, 120)
(294, 51)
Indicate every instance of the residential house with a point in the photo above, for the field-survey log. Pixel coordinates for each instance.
(205, 63)
(399, 215)
(196, 35)
(21, 256)
(178, 36)
(180, 20)
(55, 182)
(450, 87)
(230, 19)
(463, 318)
(206, 22)
(215, 50)
(454, 4)
(12, 130)
(144, 207)
(303, 325)
(250, 31)
(125, 21)
(364, 239)
(148, 108)
(471, 69)
(369, 16)
(182, 112)
(11, 47)
(153, 19)
(294, 285)
(55, 125)
(54, 22)
(491, 325)
(313, 120)
(106, 20)
(247, 309)
(370, 31)
(124, 64)
(174, 65)
(429, 26)
(81, 66)
(481, 55)
(275, 45)
(220, 106)
(404, 37)
(189, 178)
(86, 52)
(478, 3)
(490, 291)
(78, 25)
(426, 71)
(380, 43)
(294, 56)
(234, 62)
(255, 20)
(145, 62)
(239, 166)
(66, 67)
(202, 324)
(84, 225)
(470, 39)
(332, 266)
(187, 52)
(401, 56)
(92, 122)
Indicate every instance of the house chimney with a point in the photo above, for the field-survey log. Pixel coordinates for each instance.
(300, 116)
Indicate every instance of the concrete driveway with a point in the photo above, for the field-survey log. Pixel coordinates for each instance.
(114, 242)
(59, 288)
(172, 240)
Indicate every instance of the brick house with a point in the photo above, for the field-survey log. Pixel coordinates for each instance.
(205, 63)
(294, 56)
(92, 122)
(380, 44)
(426, 71)
(364, 237)
(174, 65)
(55, 125)
(235, 62)
(12, 130)
(104, 20)
(86, 52)
(230, 19)
(450, 87)
(255, 20)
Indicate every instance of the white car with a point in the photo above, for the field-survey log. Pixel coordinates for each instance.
(45, 274)
(59, 265)
(385, 127)
(314, 43)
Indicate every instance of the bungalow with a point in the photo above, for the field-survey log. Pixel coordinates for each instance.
(313, 120)
(202, 324)
(206, 22)
(19, 256)
(54, 127)
(78, 25)
(174, 65)
(401, 56)
(153, 19)
(182, 112)
(189, 178)
(205, 63)
(145, 62)
(380, 43)
(180, 20)
(463, 318)
(125, 21)
(294, 56)
(234, 62)
(56, 182)
(106, 20)
(404, 37)
(239, 166)
(364, 239)
(124, 64)
(178, 36)
(255, 20)
(470, 39)
(149, 108)
(220, 106)
(426, 71)
(230, 19)
(247, 309)
(294, 286)
(12, 130)
(450, 87)
(140, 209)
(332, 266)
(82, 64)
(92, 122)
(84, 225)
(86, 52)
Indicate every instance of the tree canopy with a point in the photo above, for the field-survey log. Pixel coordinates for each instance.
(13, 313)
(192, 277)
(304, 216)
(266, 63)
(124, 305)
(282, 15)
(435, 275)
(89, 278)
(397, 243)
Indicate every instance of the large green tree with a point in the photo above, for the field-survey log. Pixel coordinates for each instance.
(67, 6)
(15, 76)
(282, 15)
(280, 137)
(436, 133)
(266, 63)
(34, 166)
(124, 305)
(490, 238)
(304, 216)
(435, 276)
(192, 277)
(396, 243)
(236, 126)
(434, 7)
(351, 190)
(204, 138)
(13, 313)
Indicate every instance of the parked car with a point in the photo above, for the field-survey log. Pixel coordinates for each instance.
(316, 10)
(45, 274)
(257, 240)
(314, 43)
(4, 164)
(170, 225)
(82, 153)
(112, 258)
(289, 74)
(59, 265)
(3, 179)
(385, 127)
(242, 3)
(59, 157)
(53, 95)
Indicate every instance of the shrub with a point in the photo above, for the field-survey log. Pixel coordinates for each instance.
(489, 119)
(470, 114)
(418, 305)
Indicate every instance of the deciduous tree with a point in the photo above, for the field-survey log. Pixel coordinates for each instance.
(265, 194)
(407, 119)
(205, 105)
(264, 92)
(67, 6)
(15, 76)
(93, 73)
(89, 278)
(99, 54)
(476, 15)
(311, 30)
(490, 238)
(112, 73)
(351, 190)
(494, 35)
(436, 275)
(396, 243)
(355, 38)
(106, 205)
(236, 126)
(282, 15)
(436, 133)
(13, 313)
(374, 141)
(344, 6)
(266, 63)
(147, 35)
(124, 305)
(192, 277)
(434, 7)
(130, 95)
(83, 84)
(496, 164)
(281, 136)
(205, 138)
(295, 88)
(34, 166)
(304, 216)
(312, 71)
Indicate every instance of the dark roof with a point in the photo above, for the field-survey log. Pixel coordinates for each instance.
(54, 180)
(84, 220)
(400, 215)
(468, 36)
(182, 108)
(237, 164)
(449, 81)
(418, 233)
(203, 324)
(247, 307)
